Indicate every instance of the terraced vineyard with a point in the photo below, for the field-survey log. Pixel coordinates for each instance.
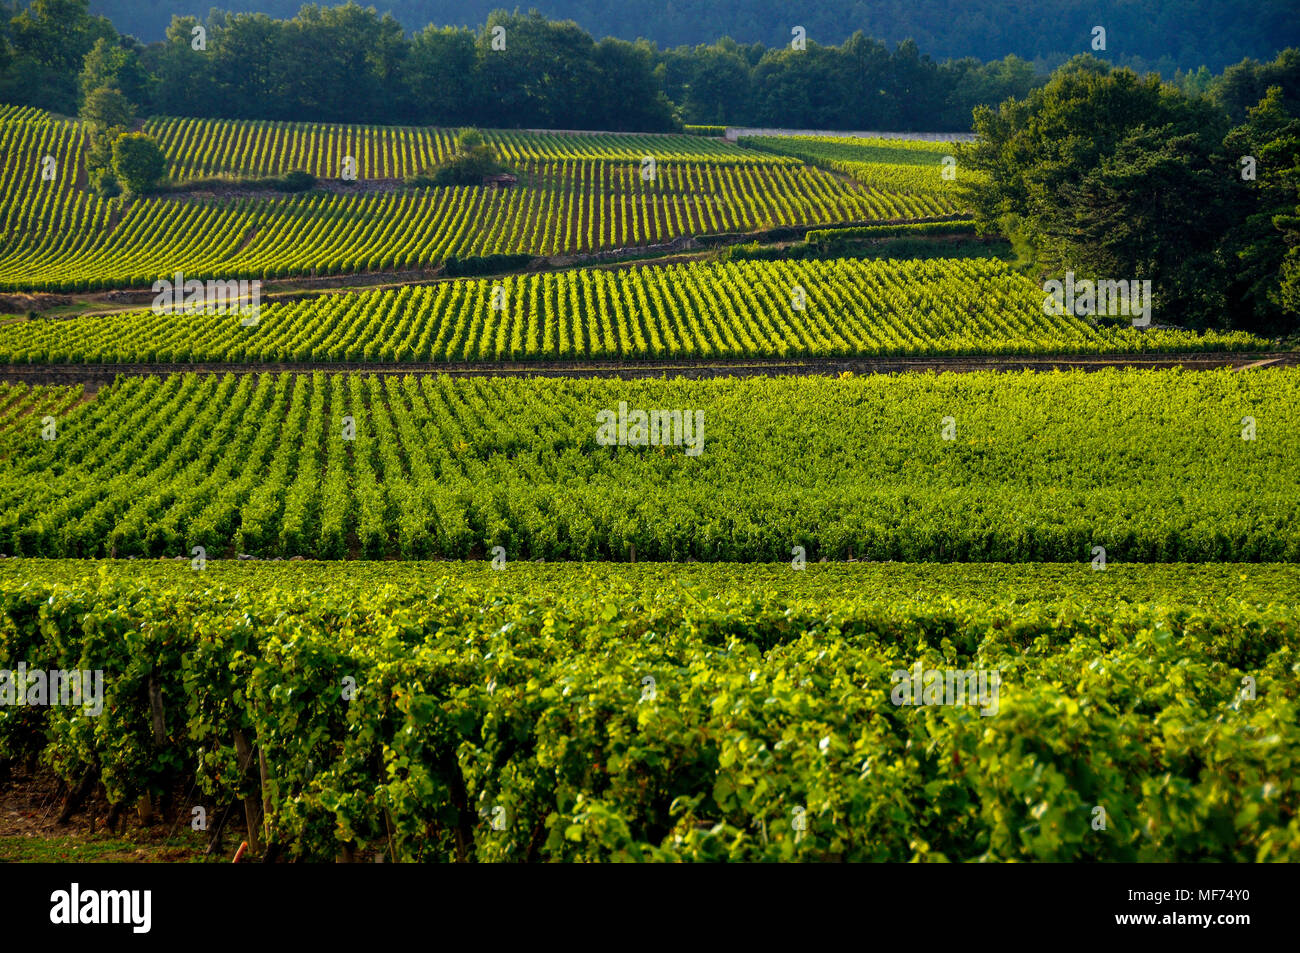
(19, 400)
(1152, 466)
(196, 148)
(9, 111)
(743, 309)
(25, 409)
(40, 164)
(580, 194)
(910, 167)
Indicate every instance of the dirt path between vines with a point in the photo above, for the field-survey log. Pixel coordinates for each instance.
(30, 831)
(97, 375)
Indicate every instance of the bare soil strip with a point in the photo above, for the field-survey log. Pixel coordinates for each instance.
(96, 375)
(31, 831)
(1268, 362)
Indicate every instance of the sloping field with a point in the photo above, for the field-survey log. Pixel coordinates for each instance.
(1147, 465)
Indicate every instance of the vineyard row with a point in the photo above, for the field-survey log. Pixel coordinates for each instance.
(742, 309)
(1149, 466)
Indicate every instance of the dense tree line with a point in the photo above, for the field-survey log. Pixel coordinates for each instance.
(1144, 34)
(42, 49)
(1110, 175)
(349, 64)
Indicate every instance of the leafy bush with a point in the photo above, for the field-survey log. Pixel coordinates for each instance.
(105, 183)
(138, 163)
(473, 159)
(297, 181)
(484, 264)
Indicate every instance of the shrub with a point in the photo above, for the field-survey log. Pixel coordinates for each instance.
(484, 264)
(297, 181)
(138, 162)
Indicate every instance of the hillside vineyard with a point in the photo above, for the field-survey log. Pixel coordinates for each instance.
(55, 236)
(1152, 466)
(690, 472)
(838, 308)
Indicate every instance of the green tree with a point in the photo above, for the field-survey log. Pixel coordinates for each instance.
(1155, 208)
(252, 67)
(1109, 175)
(545, 75)
(57, 34)
(866, 81)
(6, 50)
(107, 115)
(441, 77)
(343, 63)
(117, 67)
(105, 109)
(1261, 252)
(1289, 288)
(138, 162)
(1243, 85)
(185, 86)
(99, 160)
(48, 42)
(717, 87)
(629, 97)
(967, 83)
(800, 88)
